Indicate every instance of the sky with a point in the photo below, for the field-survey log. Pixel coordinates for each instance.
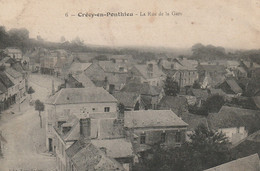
(227, 23)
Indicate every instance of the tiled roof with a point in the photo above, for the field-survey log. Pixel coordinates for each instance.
(248, 146)
(152, 118)
(234, 86)
(229, 117)
(110, 128)
(86, 156)
(127, 98)
(115, 148)
(13, 72)
(172, 102)
(82, 78)
(79, 67)
(143, 70)
(213, 68)
(5, 80)
(199, 93)
(108, 66)
(81, 95)
(249, 163)
(141, 88)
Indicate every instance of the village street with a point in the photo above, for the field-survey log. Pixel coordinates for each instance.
(25, 148)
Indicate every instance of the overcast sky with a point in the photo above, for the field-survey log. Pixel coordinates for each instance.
(228, 23)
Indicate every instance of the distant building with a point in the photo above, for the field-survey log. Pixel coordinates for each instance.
(148, 73)
(78, 81)
(230, 86)
(14, 53)
(177, 104)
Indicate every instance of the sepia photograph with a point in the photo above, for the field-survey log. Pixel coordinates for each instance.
(120, 85)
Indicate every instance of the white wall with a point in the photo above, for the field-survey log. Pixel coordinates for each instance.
(234, 134)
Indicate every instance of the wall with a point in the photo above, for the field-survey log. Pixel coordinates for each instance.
(153, 136)
(234, 134)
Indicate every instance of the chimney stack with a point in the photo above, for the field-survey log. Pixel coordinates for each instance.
(85, 128)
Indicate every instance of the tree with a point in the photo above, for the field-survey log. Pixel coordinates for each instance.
(196, 85)
(205, 150)
(39, 106)
(171, 87)
(30, 91)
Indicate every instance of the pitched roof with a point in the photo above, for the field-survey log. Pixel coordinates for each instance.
(5, 80)
(128, 99)
(82, 78)
(143, 70)
(213, 68)
(13, 73)
(110, 128)
(108, 66)
(141, 88)
(86, 156)
(234, 86)
(81, 95)
(115, 148)
(152, 118)
(13, 50)
(79, 67)
(193, 121)
(232, 117)
(249, 163)
(248, 146)
(199, 93)
(172, 102)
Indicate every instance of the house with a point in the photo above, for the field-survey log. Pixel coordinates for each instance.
(14, 53)
(120, 58)
(235, 123)
(248, 146)
(103, 130)
(230, 86)
(177, 104)
(130, 100)
(19, 83)
(83, 155)
(107, 74)
(149, 73)
(77, 100)
(78, 81)
(77, 67)
(211, 75)
(148, 127)
(232, 65)
(8, 92)
(249, 163)
(182, 70)
(47, 64)
(149, 95)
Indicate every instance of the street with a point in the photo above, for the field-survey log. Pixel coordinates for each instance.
(25, 147)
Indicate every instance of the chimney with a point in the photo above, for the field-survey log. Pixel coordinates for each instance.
(85, 127)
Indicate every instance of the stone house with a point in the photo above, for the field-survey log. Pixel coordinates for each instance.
(76, 100)
(149, 127)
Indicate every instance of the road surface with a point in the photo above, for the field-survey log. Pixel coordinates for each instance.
(25, 149)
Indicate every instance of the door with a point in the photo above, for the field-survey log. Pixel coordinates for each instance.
(50, 144)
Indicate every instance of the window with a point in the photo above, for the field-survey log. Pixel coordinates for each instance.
(107, 109)
(163, 137)
(142, 138)
(178, 137)
(237, 129)
(93, 109)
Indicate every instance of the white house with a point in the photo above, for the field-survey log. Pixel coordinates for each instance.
(77, 100)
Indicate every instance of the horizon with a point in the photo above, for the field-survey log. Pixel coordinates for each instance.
(220, 23)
